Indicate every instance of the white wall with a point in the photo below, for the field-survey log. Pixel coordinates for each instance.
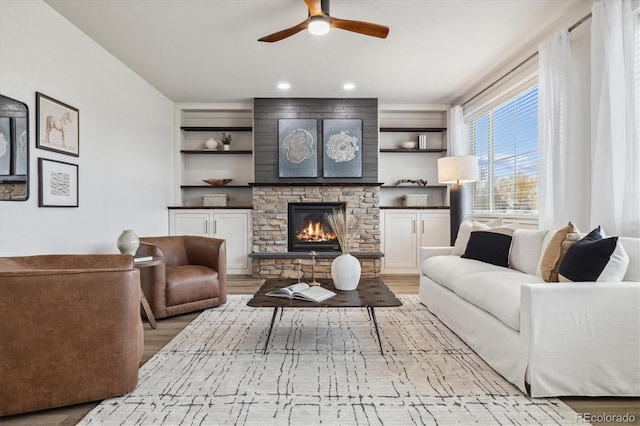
(126, 137)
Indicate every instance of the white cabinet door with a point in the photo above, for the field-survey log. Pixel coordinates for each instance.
(234, 228)
(400, 242)
(434, 229)
(190, 223)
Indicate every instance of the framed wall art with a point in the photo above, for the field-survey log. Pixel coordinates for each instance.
(14, 150)
(58, 183)
(297, 147)
(342, 150)
(58, 127)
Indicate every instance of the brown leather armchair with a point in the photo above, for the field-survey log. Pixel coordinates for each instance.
(70, 330)
(192, 277)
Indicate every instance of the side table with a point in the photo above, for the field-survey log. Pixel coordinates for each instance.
(143, 299)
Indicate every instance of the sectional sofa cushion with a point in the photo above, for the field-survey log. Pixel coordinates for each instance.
(595, 258)
(445, 270)
(496, 292)
(464, 232)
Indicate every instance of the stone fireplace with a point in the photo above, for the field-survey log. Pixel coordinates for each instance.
(271, 257)
(273, 254)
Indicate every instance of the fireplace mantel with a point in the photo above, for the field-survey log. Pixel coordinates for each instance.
(315, 184)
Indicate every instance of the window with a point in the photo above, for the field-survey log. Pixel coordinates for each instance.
(505, 140)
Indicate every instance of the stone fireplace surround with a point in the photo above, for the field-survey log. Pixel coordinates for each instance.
(270, 258)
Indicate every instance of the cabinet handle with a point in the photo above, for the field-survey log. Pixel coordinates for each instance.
(422, 226)
(206, 227)
(413, 222)
(215, 227)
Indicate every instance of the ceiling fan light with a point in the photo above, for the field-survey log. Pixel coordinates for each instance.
(318, 25)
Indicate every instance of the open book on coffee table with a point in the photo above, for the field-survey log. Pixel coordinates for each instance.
(303, 291)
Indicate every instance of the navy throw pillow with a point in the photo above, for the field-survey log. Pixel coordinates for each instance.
(594, 258)
(489, 247)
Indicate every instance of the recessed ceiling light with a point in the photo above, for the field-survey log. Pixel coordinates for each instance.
(348, 86)
(284, 86)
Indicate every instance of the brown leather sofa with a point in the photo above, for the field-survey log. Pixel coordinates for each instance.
(70, 330)
(192, 277)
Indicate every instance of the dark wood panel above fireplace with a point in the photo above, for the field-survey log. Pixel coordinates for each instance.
(267, 111)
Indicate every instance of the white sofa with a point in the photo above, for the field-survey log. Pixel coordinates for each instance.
(549, 339)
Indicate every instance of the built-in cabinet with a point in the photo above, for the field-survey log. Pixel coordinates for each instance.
(232, 225)
(405, 231)
(400, 124)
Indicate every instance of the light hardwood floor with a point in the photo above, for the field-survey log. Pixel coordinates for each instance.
(154, 340)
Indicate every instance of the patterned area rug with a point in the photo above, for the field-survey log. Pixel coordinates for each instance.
(323, 367)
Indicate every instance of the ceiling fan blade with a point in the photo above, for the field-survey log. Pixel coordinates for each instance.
(366, 28)
(280, 35)
(315, 7)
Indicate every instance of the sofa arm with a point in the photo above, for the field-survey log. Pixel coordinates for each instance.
(427, 252)
(581, 338)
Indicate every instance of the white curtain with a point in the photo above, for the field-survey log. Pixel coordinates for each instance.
(615, 201)
(456, 128)
(559, 146)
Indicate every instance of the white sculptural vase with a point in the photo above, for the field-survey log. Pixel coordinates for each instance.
(128, 242)
(345, 272)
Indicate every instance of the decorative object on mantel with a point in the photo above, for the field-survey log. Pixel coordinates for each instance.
(211, 144)
(408, 145)
(226, 141)
(128, 242)
(313, 282)
(419, 182)
(457, 170)
(217, 182)
(345, 269)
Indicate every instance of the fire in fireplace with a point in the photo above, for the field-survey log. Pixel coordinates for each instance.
(308, 229)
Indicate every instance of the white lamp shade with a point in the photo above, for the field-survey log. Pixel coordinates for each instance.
(458, 169)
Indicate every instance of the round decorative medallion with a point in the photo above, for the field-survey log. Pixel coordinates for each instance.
(342, 147)
(298, 146)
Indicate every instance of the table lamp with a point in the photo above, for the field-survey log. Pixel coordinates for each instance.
(457, 170)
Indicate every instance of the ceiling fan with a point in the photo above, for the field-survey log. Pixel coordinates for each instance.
(319, 22)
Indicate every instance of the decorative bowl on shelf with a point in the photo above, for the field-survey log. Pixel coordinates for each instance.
(217, 182)
(408, 145)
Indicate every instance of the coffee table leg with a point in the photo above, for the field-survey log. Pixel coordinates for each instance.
(273, 318)
(375, 324)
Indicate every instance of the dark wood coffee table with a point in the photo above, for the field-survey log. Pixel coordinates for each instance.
(371, 293)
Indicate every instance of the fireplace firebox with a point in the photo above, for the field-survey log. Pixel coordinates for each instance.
(307, 228)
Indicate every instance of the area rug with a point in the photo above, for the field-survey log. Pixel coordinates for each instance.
(323, 366)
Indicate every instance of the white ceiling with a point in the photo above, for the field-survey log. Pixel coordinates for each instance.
(207, 50)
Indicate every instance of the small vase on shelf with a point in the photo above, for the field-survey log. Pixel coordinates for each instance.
(227, 147)
(211, 144)
(128, 242)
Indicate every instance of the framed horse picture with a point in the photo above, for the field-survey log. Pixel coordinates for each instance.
(58, 126)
